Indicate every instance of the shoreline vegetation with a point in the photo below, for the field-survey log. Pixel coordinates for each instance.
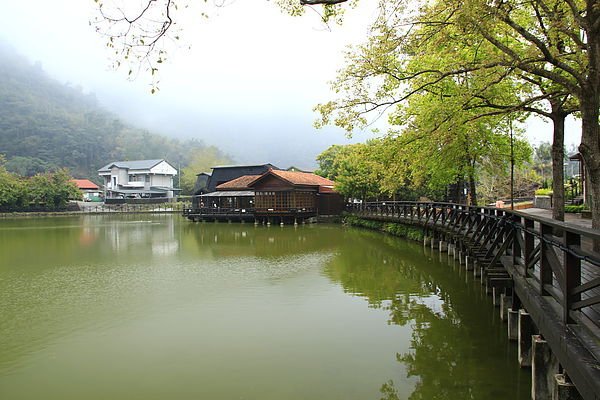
(395, 229)
(101, 208)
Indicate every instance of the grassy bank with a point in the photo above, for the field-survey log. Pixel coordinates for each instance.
(400, 230)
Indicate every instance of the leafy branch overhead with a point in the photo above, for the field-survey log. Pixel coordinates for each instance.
(480, 59)
(140, 34)
(490, 62)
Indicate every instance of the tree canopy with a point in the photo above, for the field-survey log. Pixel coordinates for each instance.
(492, 57)
(46, 125)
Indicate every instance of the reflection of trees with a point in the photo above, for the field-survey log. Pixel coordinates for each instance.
(457, 350)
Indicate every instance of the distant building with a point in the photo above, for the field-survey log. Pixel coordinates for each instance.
(576, 160)
(208, 182)
(90, 191)
(138, 179)
(226, 173)
(283, 195)
(201, 185)
(301, 193)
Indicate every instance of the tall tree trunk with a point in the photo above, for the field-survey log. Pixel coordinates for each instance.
(558, 157)
(590, 151)
(473, 189)
(589, 100)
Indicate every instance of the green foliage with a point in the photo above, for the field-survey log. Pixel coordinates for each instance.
(543, 192)
(202, 160)
(543, 161)
(404, 231)
(46, 191)
(575, 208)
(28, 166)
(45, 125)
(11, 189)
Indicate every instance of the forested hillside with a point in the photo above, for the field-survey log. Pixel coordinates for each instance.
(45, 125)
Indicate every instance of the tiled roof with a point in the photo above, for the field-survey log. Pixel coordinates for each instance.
(244, 166)
(302, 178)
(137, 164)
(85, 184)
(240, 183)
(326, 189)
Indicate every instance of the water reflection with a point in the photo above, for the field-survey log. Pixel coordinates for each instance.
(186, 309)
(227, 240)
(455, 351)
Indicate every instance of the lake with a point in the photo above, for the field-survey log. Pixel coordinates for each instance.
(156, 307)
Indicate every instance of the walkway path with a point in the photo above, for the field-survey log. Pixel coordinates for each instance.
(569, 217)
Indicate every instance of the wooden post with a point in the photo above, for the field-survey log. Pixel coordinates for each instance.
(503, 308)
(572, 272)
(526, 331)
(529, 242)
(426, 240)
(545, 268)
(564, 389)
(516, 250)
(469, 263)
(443, 246)
(544, 366)
(495, 296)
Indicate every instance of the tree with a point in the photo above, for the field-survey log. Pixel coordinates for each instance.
(327, 162)
(51, 191)
(442, 135)
(555, 42)
(562, 39)
(139, 34)
(11, 189)
(552, 44)
(202, 160)
(543, 160)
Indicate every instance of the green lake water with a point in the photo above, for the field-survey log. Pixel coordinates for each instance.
(155, 307)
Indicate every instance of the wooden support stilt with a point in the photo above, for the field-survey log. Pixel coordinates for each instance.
(443, 246)
(526, 331)
(544, 367)
(564, 389)
(513, 324)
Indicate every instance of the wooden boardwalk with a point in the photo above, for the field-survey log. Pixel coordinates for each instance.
(547, 267)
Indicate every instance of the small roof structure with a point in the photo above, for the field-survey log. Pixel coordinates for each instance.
(232, 193)
(296, 178)
(240, 183)
(136, 164)
(85, 184)
(244, 166)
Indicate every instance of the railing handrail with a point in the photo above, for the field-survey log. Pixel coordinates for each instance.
(591, 233)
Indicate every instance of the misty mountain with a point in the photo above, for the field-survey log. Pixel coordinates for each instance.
(45, 124)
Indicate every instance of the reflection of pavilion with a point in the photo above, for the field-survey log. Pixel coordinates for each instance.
(245, 240)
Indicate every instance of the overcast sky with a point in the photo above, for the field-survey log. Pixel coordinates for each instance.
(248, 84)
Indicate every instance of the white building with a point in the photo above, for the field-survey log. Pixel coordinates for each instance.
(138, 179)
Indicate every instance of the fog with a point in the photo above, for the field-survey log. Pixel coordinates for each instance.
(247, 85)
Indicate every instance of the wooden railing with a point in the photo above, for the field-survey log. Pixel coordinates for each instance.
(551, 269)
(555, 258)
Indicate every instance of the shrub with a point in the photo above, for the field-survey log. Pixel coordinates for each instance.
(575, 209)
(543, 192)
(400, 230)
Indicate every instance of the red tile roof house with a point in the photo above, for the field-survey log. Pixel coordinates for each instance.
(275, 196)
(88, 188)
